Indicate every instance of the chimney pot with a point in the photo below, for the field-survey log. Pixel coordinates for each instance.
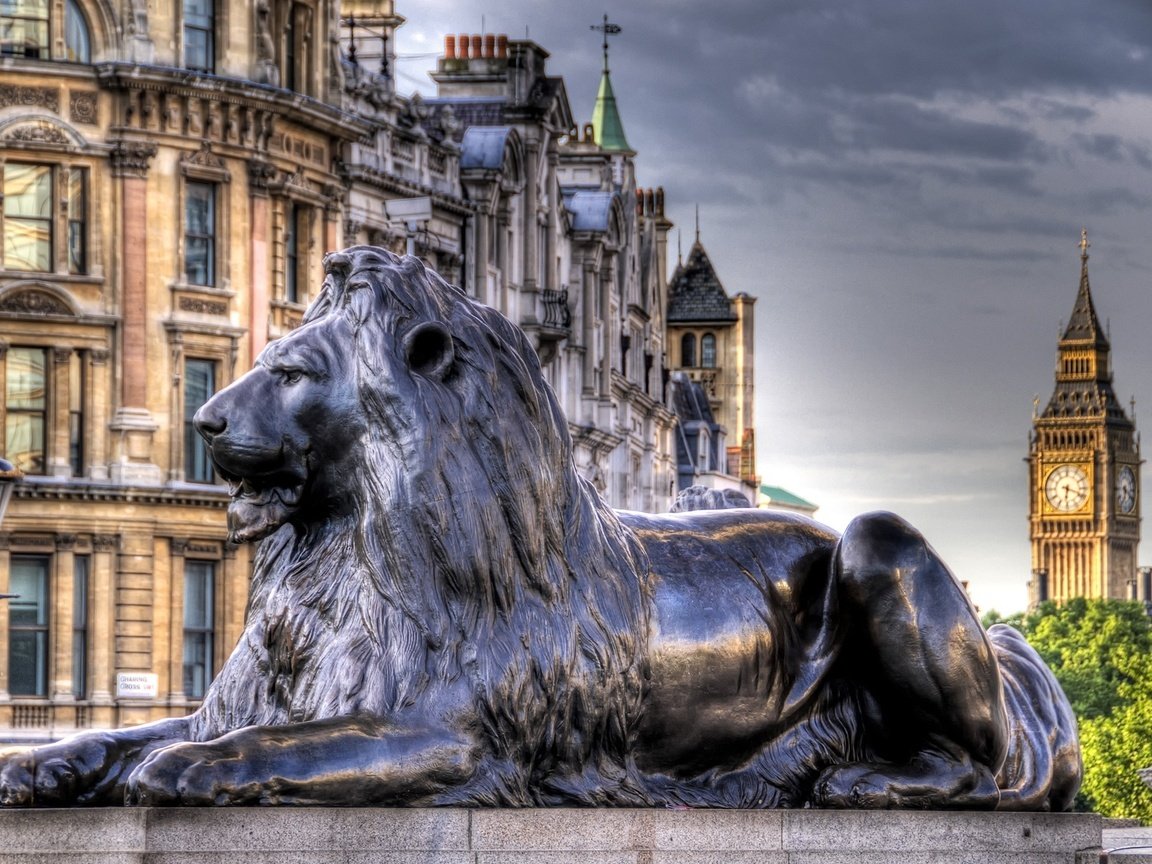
(477, 46)
(462, 46)
(659, 200)
(502, 46)
(489, 45)
(449, 47)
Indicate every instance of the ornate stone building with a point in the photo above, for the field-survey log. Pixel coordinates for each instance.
(1084, 471)
(711, 341)
(172, 176)
(575, 253)
(170, 181)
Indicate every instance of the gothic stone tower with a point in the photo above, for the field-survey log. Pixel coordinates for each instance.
(1084, 472)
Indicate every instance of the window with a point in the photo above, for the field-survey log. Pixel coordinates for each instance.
(199, 26)
(77, 42)
(76, 413)
(80, 627)
(199, 385)
(708, 351)
(28, 626)
(27, 217)
(77, 221)
(24, 28)
(688, 350)
(25, 408)
(28, 28)
(292, 254)
(199, 577)
(200, 234)
(30, 219)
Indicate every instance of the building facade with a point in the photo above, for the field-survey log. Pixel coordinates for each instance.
(172, 177)
(711, 341)
(1084, 471)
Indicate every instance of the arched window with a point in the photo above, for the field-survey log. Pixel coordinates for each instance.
(708, 351)
(29, 29)
(77, 42)
(688, 349)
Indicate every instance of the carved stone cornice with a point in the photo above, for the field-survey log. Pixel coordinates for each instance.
(106, 542)
(261, 174)
(131, 158)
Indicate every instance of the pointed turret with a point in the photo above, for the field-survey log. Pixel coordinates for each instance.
(1084, 326)
(695, 292)
(606, 125)
(1083, 364)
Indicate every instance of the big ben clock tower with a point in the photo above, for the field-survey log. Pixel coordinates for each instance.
(1084, 469)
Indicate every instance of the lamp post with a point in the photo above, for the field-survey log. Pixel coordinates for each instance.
(9, 474)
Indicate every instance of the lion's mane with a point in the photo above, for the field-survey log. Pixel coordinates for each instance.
(473, 553)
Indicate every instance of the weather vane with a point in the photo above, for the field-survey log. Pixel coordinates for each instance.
(608, 29)
(1084, 244)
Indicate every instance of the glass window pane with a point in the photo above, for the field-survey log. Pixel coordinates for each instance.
(27, 190)
(28, 662)
(198, 13)
(199, 385)
(80, 627)
(77, 42)
(708, 351)
(25, 401)
(25, 378)
(28, 626)
(77, 220)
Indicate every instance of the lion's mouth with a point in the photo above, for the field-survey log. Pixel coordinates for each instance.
(260, 505)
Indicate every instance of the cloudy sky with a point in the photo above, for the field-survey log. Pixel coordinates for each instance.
(902, 184)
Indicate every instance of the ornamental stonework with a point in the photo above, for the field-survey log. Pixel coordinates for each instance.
(37, 133)
(203, 307)
(131, 158)
(29, 97)
(82, 108)
(33, 303)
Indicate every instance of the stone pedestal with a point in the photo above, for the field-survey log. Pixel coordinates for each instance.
(360, 836)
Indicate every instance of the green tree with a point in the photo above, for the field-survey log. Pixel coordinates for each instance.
(1101, 653)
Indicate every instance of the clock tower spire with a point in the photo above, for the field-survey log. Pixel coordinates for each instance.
(1084, 468)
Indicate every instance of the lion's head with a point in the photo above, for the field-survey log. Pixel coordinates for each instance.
(406, 458)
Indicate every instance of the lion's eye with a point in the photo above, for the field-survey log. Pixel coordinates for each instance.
(291, 376)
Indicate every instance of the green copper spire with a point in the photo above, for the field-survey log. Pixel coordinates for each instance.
(606, 125)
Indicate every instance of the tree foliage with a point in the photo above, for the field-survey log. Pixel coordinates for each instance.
(1101, 652)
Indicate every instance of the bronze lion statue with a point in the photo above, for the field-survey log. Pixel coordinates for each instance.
(443, 612)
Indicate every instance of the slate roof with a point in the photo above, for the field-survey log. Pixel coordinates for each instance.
(1084, 326)
(695, 292)
(689, 402)
(590, 209)
(483, 147)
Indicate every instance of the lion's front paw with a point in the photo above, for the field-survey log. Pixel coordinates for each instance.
(857, 787)
(190, 774)
(37, 778)
(16, 780)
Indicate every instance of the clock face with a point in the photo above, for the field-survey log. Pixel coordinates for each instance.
(1067, 488)
(1126, 490)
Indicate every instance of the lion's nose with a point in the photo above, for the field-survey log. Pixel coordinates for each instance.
(208, 421)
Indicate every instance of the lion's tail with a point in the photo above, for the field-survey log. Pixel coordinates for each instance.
(1043, 768)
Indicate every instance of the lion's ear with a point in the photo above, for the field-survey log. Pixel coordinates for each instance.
(429, 349)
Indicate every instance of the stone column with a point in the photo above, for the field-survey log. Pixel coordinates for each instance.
(134, 464)
(506, 303)
(259, 174)
(169, 656)
(59, 463)
(588, 300)
(60, 617)
(103, 608)
(5, 569)
(530, 229)
(96, 411)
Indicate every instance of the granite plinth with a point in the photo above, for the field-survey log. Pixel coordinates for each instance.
(446, 836)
